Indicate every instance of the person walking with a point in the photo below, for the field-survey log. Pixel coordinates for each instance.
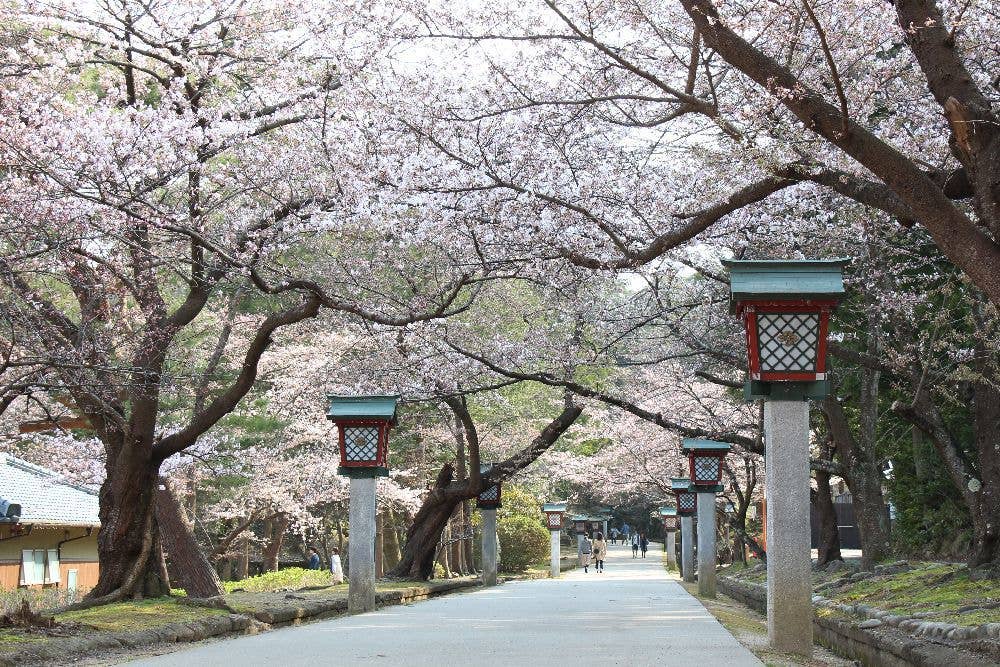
(313, 558)
(614, 536)
(643, 543)
(600, 552)
(586, 551)
(336, 567)
(635, 545)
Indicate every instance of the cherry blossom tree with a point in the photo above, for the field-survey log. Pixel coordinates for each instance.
(168, 162)
(623, 130)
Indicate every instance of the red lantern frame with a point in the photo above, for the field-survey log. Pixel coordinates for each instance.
(381, 447)
(703, 481)
(670, 523)
(748, 311)
(553, 520)
(687, 502)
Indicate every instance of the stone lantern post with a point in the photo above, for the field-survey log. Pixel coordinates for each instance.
(705, 458)
(669, 517)
(363, 424)
(553, 521)
(488, 501)
(785, 307)
(681, 486)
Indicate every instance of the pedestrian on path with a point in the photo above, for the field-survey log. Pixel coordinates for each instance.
(313, 559)
(643, 543)
(614, 536)
(635, 545)
(586, 550)
(600, 552)
(336, 567)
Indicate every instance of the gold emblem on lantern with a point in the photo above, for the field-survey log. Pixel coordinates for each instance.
(788, 338)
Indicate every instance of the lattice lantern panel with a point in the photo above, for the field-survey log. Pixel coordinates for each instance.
(686, 502)
(788, 342)
(554, 520)
(670, 523)
(490, 495)
(706, 469)
(361, 443)
(580, 527)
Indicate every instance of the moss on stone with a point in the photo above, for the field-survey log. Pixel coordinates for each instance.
(938, 588)
(140, 615)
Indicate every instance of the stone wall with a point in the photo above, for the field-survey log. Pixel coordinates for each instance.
(873, 641)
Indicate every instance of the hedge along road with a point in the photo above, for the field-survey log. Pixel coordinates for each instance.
(633, 614)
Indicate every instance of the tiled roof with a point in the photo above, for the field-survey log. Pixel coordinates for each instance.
(44, 499)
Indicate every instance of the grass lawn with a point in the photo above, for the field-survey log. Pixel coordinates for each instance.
(292, 578)
(10, 639)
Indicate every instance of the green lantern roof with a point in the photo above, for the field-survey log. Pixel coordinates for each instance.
(784, 279)
(694, 444)
(680, 484)
(554, 507)
(668, 511)
(362, 407)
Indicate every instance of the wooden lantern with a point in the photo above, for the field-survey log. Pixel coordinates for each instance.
(363, 424)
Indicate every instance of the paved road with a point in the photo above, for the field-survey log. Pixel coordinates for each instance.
(633, 614)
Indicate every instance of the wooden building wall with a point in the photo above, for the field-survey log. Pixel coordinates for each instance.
(79, 554)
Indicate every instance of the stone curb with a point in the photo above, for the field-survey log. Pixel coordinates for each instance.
(246, 623)
(862, 640)
(63, 649)
(75, 647)
(311, 609)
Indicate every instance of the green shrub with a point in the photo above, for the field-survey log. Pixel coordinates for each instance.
(523, 542)
(291, 578)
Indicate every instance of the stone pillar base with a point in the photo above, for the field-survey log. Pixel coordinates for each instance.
(789, 581)
(687, 548)
(706, 544)
(489, 546)
(361, 547)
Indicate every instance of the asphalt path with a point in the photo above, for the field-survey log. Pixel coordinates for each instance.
(632, 614)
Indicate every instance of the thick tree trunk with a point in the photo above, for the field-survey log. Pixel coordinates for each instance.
(424, 533)
(340, 538)
(392, 550)
(984, 503)
(829, 536)
(187, 563)
(439, 505)
(128, 545)
(871, 516)
(739, 549)
(862, 468)
(274, 533)
(467, 546)
(444, 550)
(379, 544)
(748, 540)
(986, 509)
(244, 566)
(922, 453)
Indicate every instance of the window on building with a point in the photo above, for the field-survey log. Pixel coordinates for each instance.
(39, 566)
